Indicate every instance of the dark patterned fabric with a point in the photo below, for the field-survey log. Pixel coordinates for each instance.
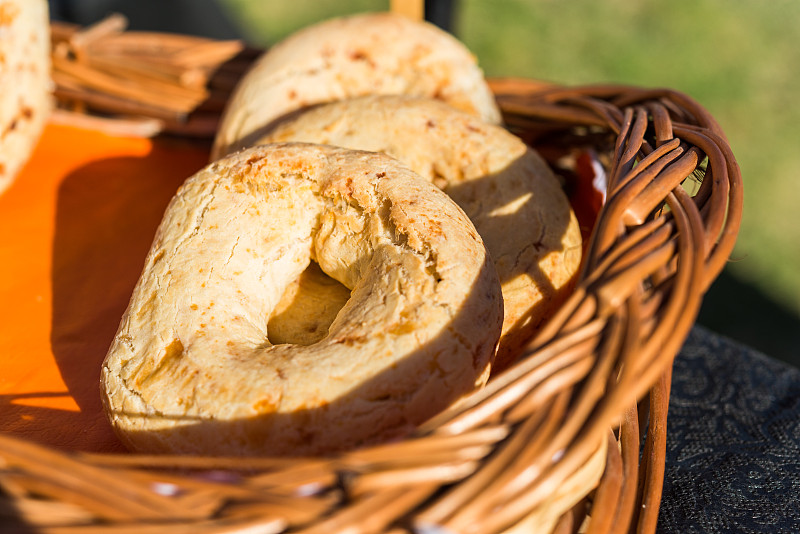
(733, 446)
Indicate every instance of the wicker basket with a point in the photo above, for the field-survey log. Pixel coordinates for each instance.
(572, 437)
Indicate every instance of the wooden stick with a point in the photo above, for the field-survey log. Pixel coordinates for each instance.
(146, 91)
(413, 9)
(139, 127)
(110, 25)
(111, 104)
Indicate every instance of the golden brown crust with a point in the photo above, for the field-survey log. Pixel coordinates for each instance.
(506, 189)
(192, 368)
(376, 53)
(24, 82)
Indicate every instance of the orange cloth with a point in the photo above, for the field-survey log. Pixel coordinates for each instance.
(74, 231)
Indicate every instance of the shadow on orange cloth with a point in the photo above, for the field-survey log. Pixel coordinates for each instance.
(74, 231)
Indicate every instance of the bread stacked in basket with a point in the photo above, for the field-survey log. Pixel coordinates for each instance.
(367, 246)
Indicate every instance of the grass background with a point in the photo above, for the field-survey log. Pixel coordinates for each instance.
(739, 58)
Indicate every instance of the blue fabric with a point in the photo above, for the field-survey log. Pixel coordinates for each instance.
(733, 446)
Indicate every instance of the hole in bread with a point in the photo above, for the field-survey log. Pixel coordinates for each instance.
(307, 308)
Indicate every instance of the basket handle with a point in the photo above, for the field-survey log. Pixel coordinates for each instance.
(414, 9)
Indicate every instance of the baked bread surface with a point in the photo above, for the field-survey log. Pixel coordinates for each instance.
(192, 368)
(374, 53)
(25, 100)
(506, 189)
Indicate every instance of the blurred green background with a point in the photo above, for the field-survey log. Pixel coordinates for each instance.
(739, 58)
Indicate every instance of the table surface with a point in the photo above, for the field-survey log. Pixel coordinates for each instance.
(733, 441)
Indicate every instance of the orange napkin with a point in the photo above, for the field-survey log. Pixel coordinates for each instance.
(74, 231)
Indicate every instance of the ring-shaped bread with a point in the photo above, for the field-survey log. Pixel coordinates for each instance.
(512, 197)
(192, 369)
(373, 53)
(25, 85)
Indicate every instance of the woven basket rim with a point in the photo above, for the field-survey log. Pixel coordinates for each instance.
(571, 414)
